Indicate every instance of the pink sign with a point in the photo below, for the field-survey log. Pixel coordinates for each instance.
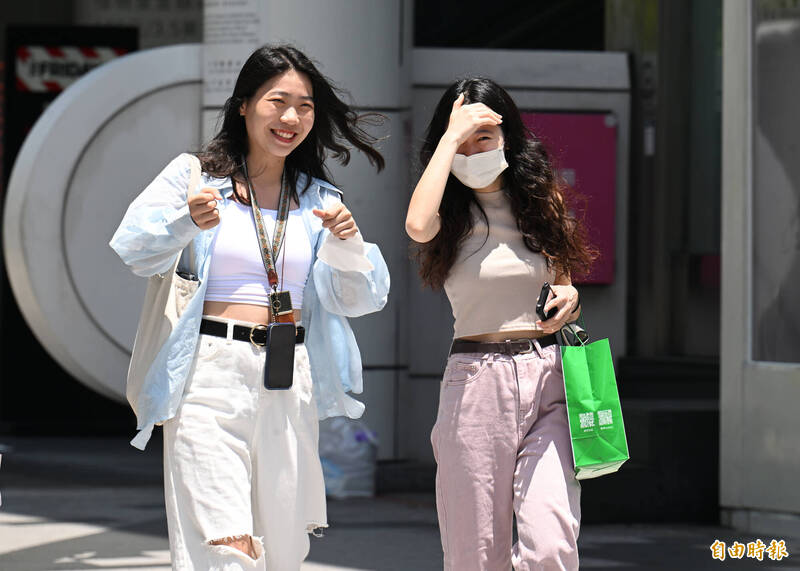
(583, 149)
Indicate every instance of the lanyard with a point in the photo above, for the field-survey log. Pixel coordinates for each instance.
(269, 255)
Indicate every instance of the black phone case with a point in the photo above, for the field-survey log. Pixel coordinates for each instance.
(279, 365)
(542, 301)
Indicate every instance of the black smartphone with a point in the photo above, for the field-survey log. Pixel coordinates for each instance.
(279, 365)
(544, 295)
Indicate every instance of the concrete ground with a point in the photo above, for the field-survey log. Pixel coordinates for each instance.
(72, 504)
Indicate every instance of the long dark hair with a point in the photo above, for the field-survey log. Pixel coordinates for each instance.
(335, 123)
(537, 199)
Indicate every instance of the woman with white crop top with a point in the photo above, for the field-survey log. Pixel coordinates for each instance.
(492, 227)
(243, 479)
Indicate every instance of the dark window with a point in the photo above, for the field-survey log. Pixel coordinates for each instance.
(510, 24)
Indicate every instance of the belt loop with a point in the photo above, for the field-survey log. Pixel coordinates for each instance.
(538, 348)
(229, 334)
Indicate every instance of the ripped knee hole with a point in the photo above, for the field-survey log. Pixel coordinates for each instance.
(246, 543)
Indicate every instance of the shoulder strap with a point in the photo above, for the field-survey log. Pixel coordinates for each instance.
(187, 259)
(194, 174)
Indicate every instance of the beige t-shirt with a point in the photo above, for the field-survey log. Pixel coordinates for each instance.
(493, 286)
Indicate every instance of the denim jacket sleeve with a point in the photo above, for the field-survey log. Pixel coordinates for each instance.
(346, 291)
(157, 224)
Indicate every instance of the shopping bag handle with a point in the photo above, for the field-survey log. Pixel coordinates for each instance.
(581, 339)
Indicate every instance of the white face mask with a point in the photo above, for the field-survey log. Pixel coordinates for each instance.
(479, 170)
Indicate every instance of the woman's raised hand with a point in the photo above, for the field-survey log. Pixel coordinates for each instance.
(422, 219)
(338, 220)
(465, 119)
(203, 207)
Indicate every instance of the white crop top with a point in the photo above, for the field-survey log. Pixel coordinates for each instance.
(237, 274)
(493, 286)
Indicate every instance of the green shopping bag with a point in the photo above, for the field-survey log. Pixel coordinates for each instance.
(595, 416)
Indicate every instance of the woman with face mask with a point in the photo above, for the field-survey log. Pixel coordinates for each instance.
(275, 249)
(492, 227)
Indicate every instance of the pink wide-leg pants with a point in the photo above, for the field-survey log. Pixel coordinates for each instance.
(502, 446)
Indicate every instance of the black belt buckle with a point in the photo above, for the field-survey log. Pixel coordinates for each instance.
(253, 331)
(525, 351)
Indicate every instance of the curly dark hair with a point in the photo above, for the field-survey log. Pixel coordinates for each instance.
(335, 122)
(537, 198)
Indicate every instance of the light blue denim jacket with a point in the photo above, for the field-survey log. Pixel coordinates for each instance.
(157, 227)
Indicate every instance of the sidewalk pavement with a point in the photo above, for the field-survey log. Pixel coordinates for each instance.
(79, 505)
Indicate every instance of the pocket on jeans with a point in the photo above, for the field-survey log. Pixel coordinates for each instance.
(462, 371)
(209, 346)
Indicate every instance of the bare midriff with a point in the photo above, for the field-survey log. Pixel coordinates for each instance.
(503, 335)
(251, 313)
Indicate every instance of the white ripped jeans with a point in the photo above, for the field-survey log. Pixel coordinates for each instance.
(242, 460)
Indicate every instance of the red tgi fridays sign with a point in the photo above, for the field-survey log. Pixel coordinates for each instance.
(43, 69)
(42, 62)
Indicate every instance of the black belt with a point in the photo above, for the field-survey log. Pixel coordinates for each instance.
(257, 334)
(510, 347)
